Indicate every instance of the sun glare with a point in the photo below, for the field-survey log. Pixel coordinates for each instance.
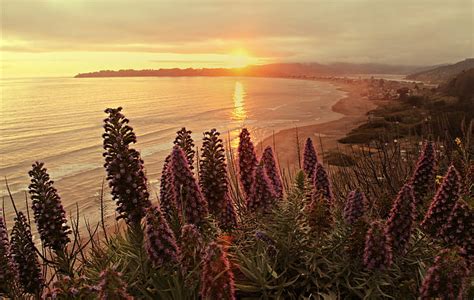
(240, 58)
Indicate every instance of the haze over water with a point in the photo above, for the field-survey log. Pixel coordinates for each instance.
(59, 121)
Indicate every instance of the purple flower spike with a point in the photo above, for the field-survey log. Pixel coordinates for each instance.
(459, 229)
(423, 176)
(213, 173)
(443, 203)
(272, 172)
(124, 167)
(321, 184)
(49, 213)
(192, 203)
(24, 255)
(228, 218)
(217, 279)
(262, 196)
(247, 162)
(160, 242)
(192, 246)
(111, 286)
(356, 205)
(168, 202)
(401, 219)
(318, 214)
(377, 251)
(185, 141)
(8, 269)
(447, 277)
(310, 158)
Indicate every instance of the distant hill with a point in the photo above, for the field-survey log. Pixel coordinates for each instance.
(462, 85)
(444, 73)
(269, 70)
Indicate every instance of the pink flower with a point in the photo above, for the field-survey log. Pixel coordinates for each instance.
(111, 286)
(8, 268)
(184, 140)
(310, 158)
(322, 185)
(423, 176)
(377, 251)
(272, 172)
(262, 197)
(356, 205)
(247, 162)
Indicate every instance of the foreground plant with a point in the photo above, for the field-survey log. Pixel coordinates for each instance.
(356, 206)
(424, 174)
(124, 167)
(8, 269)
(459, 228)
(322, 185)
(217, 279)
(111, 286)
(49, 213)
(271, 169)
(377, 251)
(262, 196)
(185, 141)
(247, 162)
(310, 158)
(168, 201)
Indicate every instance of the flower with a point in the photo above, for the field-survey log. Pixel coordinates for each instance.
(458, 142)
(272, 172)
(111, 286)
(247, 162)
(160, 243)
(192, 203)
(443, 203)
(8, 268)
(446, 278)
(168, 202)
(184, 140)
(321, 184)
(24, 255)
(422, 178)
(401, 218)
(217, 279)
(213, 173)
(356, 205)
(262, 196)
(228, 217)
(49, 213)
(70, 288)
(192, 245)
(310, 158)
(377, 251)
(124, 167)
(318, 214)
(459, 228)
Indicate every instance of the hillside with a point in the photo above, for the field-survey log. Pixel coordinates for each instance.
(443, 73)
(462, 86)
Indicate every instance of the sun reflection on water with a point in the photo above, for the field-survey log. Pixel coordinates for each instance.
(239, 113)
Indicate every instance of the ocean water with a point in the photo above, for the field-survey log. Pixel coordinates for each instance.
(59, 121)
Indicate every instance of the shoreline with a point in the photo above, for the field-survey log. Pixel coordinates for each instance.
(353, 107)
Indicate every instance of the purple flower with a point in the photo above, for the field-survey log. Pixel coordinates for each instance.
(213, 173)
(268, 241)
(310, 158)
(262, 196)
(423, 176)
(160, 242)
(217, 279)
(401, 219)
(272, 172)
(192, 203)
(459, 229)
(356, 205)
(318, 213)
(168, 202)
(24, 255)
(49, 213)
(321, 184)
(192, 246)
(111, 286)
(447, 277)
(70, 288)
(377, 251)
(124, 167)
(247, 162)
(443, 203)
(8, 269)
(228, 217)
(185, 141)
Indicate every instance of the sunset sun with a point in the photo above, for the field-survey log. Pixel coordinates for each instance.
(240, 58)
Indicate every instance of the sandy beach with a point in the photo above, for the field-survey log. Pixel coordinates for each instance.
(354, 108)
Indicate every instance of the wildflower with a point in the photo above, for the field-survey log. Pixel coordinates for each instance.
(111, 286)
(272, 172)
(213, 173)
(459, 229)
(262, 196)
(70, 288)
(160, 242)
(192, 246)
(443, 203)
(124, 168)
(458, 142)
(24, 255)
(439, 179)
(167, 194)
(48, 211)
(185, 141)
(247, 162)
(228, 217)
(321, 184)
(310, 158)
(424, 172)
(401, 218)
(377, 251)
(268, 241)
(446, 278)
(193, 205)
(8, 269)
(217, 279)
(319, 214)
(356, 205)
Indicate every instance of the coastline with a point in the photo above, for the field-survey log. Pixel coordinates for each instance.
(353, 107)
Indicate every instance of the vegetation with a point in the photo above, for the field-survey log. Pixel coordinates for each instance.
(384, 226)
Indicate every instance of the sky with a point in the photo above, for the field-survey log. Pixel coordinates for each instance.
(66, 37)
